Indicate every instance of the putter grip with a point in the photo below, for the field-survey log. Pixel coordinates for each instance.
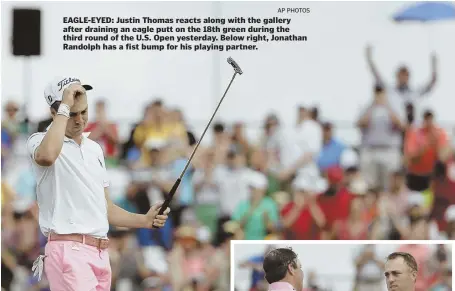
(169, 198)
(235, 65)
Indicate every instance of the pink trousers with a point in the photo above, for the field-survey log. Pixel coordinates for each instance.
(73, 266)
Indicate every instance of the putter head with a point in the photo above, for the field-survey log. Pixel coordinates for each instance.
(235, 65)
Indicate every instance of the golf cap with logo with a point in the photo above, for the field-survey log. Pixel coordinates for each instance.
(54, 90)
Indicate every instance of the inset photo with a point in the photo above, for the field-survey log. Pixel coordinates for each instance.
(341, 266)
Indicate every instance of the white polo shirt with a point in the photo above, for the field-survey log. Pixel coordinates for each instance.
(70, 193)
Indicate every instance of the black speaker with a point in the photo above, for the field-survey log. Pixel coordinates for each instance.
(26, 32)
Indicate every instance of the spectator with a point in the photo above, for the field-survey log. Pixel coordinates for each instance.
(332, 149)
(208, 180)
(152, 127)
(303, 219)
(442, 187)
(392, 203)
(233, 187)
(381, 129)
(221, 143)
(218, 267)
(423, 149)
(401, 94)
(127, 263)
(178, 130)
(440, 270)
(369, 270)
(186, 259)
(281, 149)
(254, 263)
(356, 225)
(415, 224)
(258, 215)
(239, 139)
(10, 121)
(309, 142)
(103, 131)
(260, 162)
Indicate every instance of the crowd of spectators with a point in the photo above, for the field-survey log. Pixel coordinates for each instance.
(306, 185)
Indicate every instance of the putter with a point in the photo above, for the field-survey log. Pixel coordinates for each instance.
(168, 199)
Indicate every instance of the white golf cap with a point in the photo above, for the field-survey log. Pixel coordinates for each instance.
(416, 199)
(54, 90)
(155, 144)
(23, 205)
(257, 180)
(358, 186)
(349, 158)
(314, 185)
(450, 213)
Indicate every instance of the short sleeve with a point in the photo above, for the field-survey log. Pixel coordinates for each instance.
(33, 143)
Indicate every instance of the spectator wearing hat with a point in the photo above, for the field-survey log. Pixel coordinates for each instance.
(381, 127)
(257, 215)
(303, 219)
(186, 260)
(356, 225)
(415, 224)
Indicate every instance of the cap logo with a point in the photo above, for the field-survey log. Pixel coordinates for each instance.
(49, 97)
(65, 82)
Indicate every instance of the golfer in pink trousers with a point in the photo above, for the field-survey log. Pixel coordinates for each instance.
(73, 195)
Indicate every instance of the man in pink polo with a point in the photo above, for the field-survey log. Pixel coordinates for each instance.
(283, 270)
(72, 193)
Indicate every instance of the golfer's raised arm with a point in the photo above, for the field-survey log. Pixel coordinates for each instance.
(50, 147)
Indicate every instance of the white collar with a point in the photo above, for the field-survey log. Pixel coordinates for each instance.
(65, 138)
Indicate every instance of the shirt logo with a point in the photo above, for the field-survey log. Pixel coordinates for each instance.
(65, 82)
